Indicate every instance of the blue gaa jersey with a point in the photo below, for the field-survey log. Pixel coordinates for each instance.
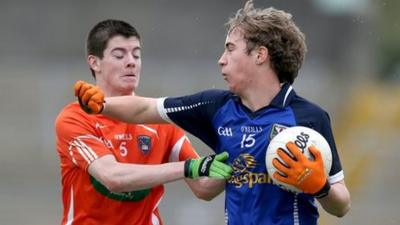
(221, 121)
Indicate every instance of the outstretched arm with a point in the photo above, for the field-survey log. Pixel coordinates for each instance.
(130, 109)
(122, 177)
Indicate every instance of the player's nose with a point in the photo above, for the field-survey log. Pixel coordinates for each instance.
(222, 60)
(131, 61)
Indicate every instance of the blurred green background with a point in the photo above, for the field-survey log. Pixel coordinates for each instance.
(352, 69)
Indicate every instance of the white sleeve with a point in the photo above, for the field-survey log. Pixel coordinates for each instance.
(162, 111)
(336, 178)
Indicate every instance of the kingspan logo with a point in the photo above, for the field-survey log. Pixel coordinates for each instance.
(242, 174)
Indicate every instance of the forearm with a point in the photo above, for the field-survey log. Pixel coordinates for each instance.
(337, 202)
(122, 177)
(147, 176)
(132, 109)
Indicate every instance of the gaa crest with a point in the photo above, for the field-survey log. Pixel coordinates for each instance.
(144, 143)
(276, 129)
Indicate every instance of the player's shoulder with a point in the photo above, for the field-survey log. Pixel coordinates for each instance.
(70, 110)
(308, 106)
(210, 98)
(70, 113)
(167, 131)
(165, 127)
(210, 95)
(216, 94)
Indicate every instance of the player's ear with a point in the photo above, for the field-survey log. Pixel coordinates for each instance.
(94, 63)
(262, 55)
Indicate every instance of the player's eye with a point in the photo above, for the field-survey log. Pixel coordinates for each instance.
(136, 54)
(229, 48)
(118, 54)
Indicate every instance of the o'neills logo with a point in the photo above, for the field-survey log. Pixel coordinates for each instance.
(243, 176)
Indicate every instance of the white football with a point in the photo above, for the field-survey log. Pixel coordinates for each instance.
(303, 137)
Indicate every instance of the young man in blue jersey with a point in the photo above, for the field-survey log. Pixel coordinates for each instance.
(264, 50)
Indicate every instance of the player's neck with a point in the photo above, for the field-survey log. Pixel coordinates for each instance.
(261, 93)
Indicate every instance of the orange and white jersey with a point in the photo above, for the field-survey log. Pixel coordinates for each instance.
(82, 138)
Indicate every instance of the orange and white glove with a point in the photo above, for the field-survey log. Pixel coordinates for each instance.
(306, 175)
(90, 97)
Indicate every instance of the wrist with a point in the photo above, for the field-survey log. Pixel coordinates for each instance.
(324, 190)
(103, 107)
(187, 168)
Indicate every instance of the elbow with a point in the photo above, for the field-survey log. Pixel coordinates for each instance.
(204, 195)
(207, 199)
(344, 210)
(207, 189)
(340, 201)
(340, 211)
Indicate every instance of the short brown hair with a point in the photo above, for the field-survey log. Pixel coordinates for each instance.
(103, 31)
(275, 30)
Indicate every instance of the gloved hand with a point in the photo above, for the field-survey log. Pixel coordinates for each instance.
(306, 175)
(90, 97)
(210, 166)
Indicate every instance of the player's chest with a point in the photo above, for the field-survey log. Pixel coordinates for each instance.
(131, 143)
(239, 133)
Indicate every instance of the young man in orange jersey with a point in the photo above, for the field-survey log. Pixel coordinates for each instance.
(113, 172)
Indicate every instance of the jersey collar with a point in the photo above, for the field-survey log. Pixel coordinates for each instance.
(283, 98)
